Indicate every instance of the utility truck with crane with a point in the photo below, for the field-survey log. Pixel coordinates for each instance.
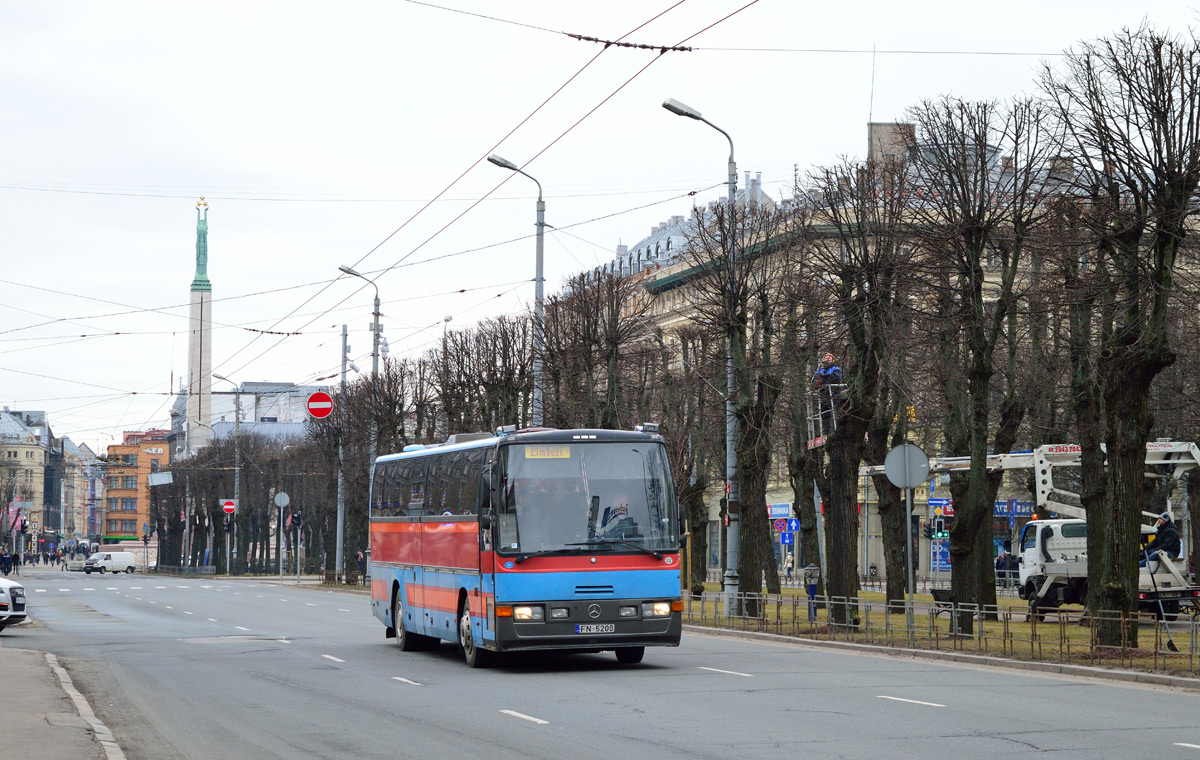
(1052, 553)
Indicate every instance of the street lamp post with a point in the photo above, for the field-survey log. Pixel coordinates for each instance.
(733, 497)
(237, 464)
(538, 307)
(374, 349)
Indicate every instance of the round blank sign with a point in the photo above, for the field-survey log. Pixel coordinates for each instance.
(906, 466)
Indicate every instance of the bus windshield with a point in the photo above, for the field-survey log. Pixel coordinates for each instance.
(586, 497)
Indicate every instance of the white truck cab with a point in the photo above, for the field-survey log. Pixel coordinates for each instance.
(1053, 570)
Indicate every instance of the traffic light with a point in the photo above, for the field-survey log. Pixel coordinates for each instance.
(296, 520)
(928, 531)
(228, 523)
(939, 529)
(145, 539)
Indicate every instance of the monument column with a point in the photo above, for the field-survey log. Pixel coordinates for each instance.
(199, 387)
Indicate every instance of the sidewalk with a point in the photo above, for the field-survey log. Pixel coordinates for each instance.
(45, 717)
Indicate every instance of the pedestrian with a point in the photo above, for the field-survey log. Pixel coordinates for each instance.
(362, 566)
(789, 564)
(827, 384)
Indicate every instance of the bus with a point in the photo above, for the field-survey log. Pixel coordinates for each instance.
(536, 539)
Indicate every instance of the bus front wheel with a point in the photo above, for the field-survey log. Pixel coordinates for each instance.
(630, 655)
(475, 655)
(405, 640)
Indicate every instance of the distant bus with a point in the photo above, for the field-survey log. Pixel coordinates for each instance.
(531, 540)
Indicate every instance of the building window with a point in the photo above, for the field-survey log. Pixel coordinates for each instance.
(129, 481)
(129, 526)
(114, 481)
(29, 455)
(154, 463)
(129, 459)
(128, 505)
(113, 504)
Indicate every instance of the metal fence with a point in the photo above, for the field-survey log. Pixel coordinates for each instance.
(1000, 631)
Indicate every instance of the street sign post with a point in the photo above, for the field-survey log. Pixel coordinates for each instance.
(781, 525)
(229, 505)
(320, 405)
(906, 467)
(793, 525)
(281, 501)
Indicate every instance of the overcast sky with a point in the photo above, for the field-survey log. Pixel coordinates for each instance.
(319, 133)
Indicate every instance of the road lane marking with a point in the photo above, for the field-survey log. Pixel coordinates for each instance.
(153, 602)
(170, 607)
(183, 587)
(310, 604)
(160, 587)
(728, 672)
(64, 589)
(89, 589)
(135, 588)
(343, 610)
(530, 718)
(110, 588)
(241, 628)
(405, 680)
(40, 590)
(187, 613)
(331, 657)
(911, 701)
(212, 620)
(1189, 746)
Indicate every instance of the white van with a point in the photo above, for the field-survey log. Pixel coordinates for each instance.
(111, 561)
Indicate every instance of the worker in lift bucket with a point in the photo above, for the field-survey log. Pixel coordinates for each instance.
(827, 382)
(1166, 539)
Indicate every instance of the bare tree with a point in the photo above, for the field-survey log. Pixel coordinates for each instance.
(863, 256)
(739, 296)
(979, 176)
(1131, 108)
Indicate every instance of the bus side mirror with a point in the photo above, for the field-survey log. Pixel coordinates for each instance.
(485, 521)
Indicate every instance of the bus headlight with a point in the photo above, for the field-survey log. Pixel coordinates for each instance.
(559, 613)
(627, 612)
(529, 613)
(656, 609)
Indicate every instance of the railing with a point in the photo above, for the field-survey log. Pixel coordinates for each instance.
(999, 631)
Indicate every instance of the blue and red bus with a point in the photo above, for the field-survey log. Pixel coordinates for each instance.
(528, 540)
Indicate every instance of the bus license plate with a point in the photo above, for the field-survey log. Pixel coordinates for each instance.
(597, 628)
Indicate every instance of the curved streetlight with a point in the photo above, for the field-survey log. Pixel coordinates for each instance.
(237, 460)
(374, 345)
(733, 497)
(537, 297)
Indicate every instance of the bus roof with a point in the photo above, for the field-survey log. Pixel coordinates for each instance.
(533, 435)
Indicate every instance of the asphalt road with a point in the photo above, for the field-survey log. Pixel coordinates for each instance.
(201, 669)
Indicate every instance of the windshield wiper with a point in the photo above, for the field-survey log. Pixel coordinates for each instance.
(544, 553)
(623, 542)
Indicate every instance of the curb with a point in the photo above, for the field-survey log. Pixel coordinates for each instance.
(111, 749)
(1086, 671)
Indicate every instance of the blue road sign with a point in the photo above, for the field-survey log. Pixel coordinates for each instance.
(939, 555)
(787, 539)
(793, 525)
(939, 502)
(780, 510)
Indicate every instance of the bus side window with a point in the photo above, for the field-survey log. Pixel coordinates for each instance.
(414, 487)
(469, 467)
(435, 484)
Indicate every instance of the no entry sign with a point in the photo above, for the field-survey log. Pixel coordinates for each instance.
(229, 505)
(320, 405)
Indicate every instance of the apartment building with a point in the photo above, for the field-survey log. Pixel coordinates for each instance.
(126, 491)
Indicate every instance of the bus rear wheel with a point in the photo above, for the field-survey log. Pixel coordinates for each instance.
(630, 655)
(475, 655)
(408, 642)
